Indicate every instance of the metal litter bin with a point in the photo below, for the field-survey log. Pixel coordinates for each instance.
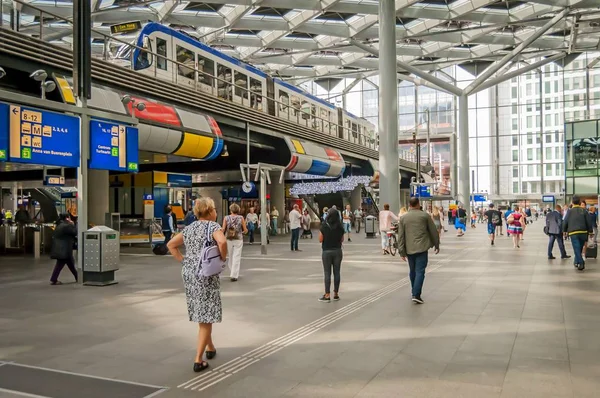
(370, 226)
(101, 251)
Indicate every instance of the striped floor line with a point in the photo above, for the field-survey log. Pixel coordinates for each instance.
(214, 376)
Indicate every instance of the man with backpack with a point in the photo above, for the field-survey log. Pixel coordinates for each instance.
(494, 218)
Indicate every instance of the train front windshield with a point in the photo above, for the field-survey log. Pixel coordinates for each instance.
(124, 52)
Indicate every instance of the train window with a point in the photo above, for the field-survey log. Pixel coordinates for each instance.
(224, 82)
(188, 59)
(284, 100)
(241, 84)
(161, 50)
(206, 70)
(256, 91)
(295, 102)
(144, 58)
(354, 129)
(305, 110)
(325, 118)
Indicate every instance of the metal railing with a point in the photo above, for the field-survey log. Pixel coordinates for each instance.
(252, 97)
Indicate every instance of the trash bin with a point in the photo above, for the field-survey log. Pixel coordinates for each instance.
(101, 250)
(370, 226)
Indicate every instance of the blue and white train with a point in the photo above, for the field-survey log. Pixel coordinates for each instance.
(221, 75)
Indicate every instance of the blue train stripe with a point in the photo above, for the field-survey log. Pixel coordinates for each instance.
(156, 27)
(216, 149)
(318, 167)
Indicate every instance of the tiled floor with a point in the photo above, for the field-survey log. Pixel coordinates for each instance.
(497, 322)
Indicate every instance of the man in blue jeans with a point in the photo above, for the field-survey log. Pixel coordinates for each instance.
(577, 227)
(416, 235)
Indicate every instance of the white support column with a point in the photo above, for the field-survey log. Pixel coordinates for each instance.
(464, 177)
(389, 180)
(263, 213)
(98, 196)
(356, 198)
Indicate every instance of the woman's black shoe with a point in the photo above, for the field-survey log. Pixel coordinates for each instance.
(211, 354)
(200, 366)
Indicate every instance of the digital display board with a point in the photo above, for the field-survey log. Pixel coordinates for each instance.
(113, 146)
(41, 137)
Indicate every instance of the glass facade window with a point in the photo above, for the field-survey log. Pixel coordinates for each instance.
(548, 170)
(548, 122)
(529, 106)
(515, 187)
(515, 171)
(515, 92)
(515, 140)
(529, 122)
(515, 125)
(529, 89)
(523, 187)
(529, 139)
(515, 155)
(547, 88)
(515, 109)
(530, 154)
(548, 153)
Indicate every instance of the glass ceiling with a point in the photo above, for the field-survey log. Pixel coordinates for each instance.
(308, 39)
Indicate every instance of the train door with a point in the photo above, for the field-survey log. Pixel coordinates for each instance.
(162, 68)
(240, 91)
(206, 74)
(186, 66)
(340, 123)
(283, 106)
(224, 82)
(325, 126)
(272, 107)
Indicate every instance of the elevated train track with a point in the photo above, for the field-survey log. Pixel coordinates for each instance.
(60, 60)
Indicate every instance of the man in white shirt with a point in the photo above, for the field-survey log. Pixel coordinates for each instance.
(295, 226)
(347, 221)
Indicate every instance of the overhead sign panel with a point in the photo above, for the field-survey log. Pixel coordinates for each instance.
(126, 27)
(113, 146)
(41, 137)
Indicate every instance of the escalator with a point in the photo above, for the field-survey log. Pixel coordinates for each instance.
(310, 202)
(47, 201)
(368, 194)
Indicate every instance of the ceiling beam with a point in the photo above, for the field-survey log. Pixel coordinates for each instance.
(517, 50)
(507, 76)
(439, 83)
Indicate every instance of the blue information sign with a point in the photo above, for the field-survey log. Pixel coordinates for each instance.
(422, 191)
(41, 137)
(113, 146)
(3, 132)
(548, 198)
(478, 198)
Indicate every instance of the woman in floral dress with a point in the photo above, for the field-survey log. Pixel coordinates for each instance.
(203, 294)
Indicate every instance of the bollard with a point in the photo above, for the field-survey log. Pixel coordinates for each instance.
(36, 245)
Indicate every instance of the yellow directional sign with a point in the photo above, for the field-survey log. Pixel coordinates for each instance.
(126, 27)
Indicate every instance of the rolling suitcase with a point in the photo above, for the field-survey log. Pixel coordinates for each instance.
(592, 249)
(160, 249)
